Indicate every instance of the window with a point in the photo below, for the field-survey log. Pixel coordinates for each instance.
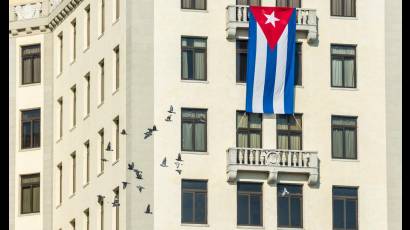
(194, 202)
(343, 8)
(117, 209)
(31, 64)
(87, 219)
(117, 9)
(101, 203)
(290, 206)
(102, 28)
(289, 131)
(74, 109)
(241, 60)
(193, 60)
(73, 171)
(344, 137)
(248, 130)
(117, 137)
(60, 40)
(72, 223)
(193, 4)
(298, 63)
(289, 3)
(30, 129)
(117, 67)
(87, 94)
(343, 66)
(194, 130)
(87, 26)
(87, 161)
(345, 208)
(101, 81)
(74, 30)
(101, 133)
(60, 183)
(249, 204)
(60, 106)
(30, 193)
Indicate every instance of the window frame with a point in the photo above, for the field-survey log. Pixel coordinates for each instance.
(193, 49)
(116, 192)
(87, 33)
(248, 130)
(193, 3)
(116, 122)
(101, 65)
(74, 172)
(87, 161)
(194, 192)
(345, 198)
(299, 61)
(289, 197)
(30, 185)
(61, 50)
(60, 183)
(343, 144)
(287, 4)
(192, 121)
(289, 132)
(74, 40)
(249, 194)
(32, 57)
(116, 67)
(343, 9)
(31, 121)
(240, 51)
(343, 57)
(102, 142)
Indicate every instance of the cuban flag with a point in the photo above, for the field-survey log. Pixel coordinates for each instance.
(271, 60)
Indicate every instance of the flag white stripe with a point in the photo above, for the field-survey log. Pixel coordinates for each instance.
(279, 91)
(260, 70)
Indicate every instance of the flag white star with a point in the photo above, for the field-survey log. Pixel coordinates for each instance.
(271, 19)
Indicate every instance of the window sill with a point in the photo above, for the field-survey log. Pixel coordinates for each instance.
(59, 140)
(86, 116)
(30, 149)
(115, 162)
(99, 174)
(249, 227)
(194, 153)
(71, 196)
(346, 160)
(29, 84)
(195, 10)
(241, 83)
(86, 184)
(72, 128)
(344, 89)
(59, 74)
(344, 17)
(116, 21)
(101, 104)
(115, 92)
(194, 225)
(29, 214)
(195, 81)
(87, 48)
(299, 86)
(282, 228)
(100, 36)
(72, 62)
(59, 205)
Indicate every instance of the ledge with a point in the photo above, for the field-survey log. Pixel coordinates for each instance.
(195, 225)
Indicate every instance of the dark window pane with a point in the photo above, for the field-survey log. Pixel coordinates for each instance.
(243, 209)
(249, 187)
(351, 214)
(255, 210)
(283, 211)
(298, 64)
(187, 142)
(193, 130)
(36, 133)
(26, 136)
(26, 200)
(338, 214)
(337, 143)
(36, 199)
(31, 64)
(343, 191)
(200, 207)
(189, 184)
(296, 212)
(187, 207)
(193, 58)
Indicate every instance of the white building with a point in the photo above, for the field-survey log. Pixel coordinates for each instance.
(89, 77)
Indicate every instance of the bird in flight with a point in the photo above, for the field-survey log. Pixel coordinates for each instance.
(131, 166)
(148, 210)
(171, 109)
(124, 184)
(168, 118)
(164, 162)
(140, 188)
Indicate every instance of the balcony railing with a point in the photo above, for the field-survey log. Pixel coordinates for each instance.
(238, 22)
(272, 161)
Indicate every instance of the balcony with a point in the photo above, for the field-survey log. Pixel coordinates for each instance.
(237, 24)
(273, 162)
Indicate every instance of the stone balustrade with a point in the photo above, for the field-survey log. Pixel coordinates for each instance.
(272, 161)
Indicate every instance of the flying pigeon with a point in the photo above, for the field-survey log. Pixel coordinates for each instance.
(171, 109)
(116, 202)
(178, 164)
(168, 118)
(108, 147)
(123, 132)
(148, 210)
(284, 192)
(140, 188)
(104, 160)
(179, 171)
(100, 198)
(164, 162)
(131, 166)
(124, 184)
(179, 157)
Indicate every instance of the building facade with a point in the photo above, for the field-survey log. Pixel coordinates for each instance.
(130, 115)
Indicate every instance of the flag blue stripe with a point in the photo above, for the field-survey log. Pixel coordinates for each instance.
(251, 62)
(270, 80)
(290, 63)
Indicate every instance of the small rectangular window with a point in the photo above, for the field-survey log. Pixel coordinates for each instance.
(290, 206)
(74, 105)
(289, 3)
(117, 67)
(30, 193)
(60, 40)
(193, 4)
(194, 134)
(101, 203)
(101, 133)
(87, 219)
(345, 208)
(289, 131)
(249, 204)
(101, 64)
(87, 161)
(117, 137)
(248, 2)
(117, 9)
(31, 64)
(194, 202)
(87, 94)
(60, 183)
(87, 26)
(344, 137)
(193, 58)
(102, 16)
(298, 63)
(30, 129)
(60, 110)
(117, 208)
(74, 41)
(343, 8)
(73, 171)
(343, 65)
(241, 60)
(248, 130)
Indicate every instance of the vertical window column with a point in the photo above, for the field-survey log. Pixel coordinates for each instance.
(87, 27)
(102, 159)
(117, 137)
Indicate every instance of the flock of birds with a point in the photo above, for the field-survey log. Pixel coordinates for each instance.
(138, 173)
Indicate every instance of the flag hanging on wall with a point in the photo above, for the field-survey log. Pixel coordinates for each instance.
(271, 60)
